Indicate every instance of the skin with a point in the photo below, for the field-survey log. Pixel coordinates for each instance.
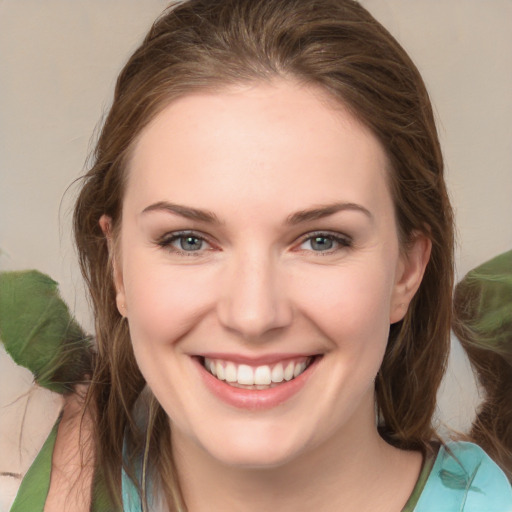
(252, 157)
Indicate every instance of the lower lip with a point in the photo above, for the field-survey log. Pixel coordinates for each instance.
(255, 399)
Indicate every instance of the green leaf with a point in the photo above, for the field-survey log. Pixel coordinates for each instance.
(39, 332)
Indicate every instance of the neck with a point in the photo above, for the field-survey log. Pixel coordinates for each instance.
(353, 470)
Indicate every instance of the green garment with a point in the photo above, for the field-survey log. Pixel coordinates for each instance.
(34, 488)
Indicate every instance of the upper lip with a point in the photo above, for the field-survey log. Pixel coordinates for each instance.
(252, 360)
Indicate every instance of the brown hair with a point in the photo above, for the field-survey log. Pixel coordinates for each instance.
(332, 44)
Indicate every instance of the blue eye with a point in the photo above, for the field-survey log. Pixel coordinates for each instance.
(184, 242)
(324, 242)
(189, 243)
(321, 243)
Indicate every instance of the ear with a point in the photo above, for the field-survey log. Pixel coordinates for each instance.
(410, 269)
(106, 226)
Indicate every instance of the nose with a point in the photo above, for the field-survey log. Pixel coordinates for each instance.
(254, 301)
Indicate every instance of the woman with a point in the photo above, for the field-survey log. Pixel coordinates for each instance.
(267, 241)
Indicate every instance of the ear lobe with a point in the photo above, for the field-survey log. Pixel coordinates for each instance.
(106, 226)
(410, 270)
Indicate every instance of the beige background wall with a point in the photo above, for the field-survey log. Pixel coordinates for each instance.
(58, 63)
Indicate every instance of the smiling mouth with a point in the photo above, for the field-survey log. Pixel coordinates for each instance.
(257, 377)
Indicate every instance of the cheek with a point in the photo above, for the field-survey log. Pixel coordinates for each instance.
(164, 305)
(350, 308)
(349, 305)
(165, 302)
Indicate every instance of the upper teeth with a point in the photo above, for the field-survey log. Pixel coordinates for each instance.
(255, 375)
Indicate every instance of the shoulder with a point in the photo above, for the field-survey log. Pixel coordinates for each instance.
(61, 476)
(464, 478)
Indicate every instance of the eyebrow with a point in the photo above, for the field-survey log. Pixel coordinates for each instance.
(321, 212)
(299, 217)
(184, 211)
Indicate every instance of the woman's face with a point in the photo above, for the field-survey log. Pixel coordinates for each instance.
(259, 269)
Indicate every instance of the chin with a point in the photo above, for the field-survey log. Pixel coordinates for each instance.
(251, 457)
(254, 448)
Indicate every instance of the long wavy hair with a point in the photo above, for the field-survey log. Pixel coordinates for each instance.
(206, 45)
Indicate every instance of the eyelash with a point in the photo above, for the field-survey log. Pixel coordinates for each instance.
(166, 242)
(343, 242)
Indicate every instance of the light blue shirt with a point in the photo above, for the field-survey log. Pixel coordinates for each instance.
(462, 479)
(465, 480)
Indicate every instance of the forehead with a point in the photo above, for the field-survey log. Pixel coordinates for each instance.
(256, 145)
